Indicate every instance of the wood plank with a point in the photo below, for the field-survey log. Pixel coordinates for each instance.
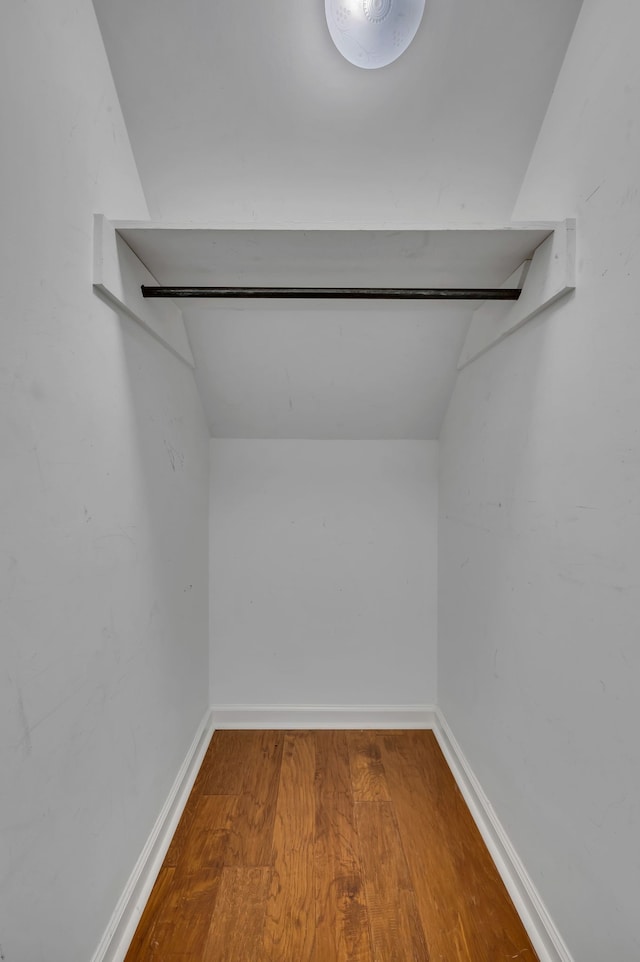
(342, 921)
(182, 940)
(183, 926)
(225, 763)
(140, 948)
(184, 918)
(396, 929)
(235, 933)
(204, 768)
(290, 916)
(251, 835)
(186, 820)
(206, 841)
(333, 774)
(466, 912)
(182, 831)
(368, 776)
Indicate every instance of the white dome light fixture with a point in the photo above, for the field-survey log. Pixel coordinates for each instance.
(373, 33)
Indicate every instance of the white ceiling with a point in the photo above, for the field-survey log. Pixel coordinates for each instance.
(244, 113)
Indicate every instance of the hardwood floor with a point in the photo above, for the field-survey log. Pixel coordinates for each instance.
(327, 846)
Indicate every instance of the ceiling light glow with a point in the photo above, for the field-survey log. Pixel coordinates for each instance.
(373, 33)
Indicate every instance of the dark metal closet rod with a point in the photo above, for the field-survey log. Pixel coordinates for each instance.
(351, 293)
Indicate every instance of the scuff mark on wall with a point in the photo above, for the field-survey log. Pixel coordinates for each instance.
(593, 193)
(111, 549)
(175, 457)
(43, 484)
(25, 742)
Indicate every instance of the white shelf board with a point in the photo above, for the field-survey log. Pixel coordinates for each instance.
(448, 256)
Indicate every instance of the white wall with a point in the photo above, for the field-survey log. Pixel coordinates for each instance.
(368, 370)
(540, 522)
(323, 572)
(103, 488)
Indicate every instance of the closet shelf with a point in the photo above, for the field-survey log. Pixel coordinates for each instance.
(144, 268)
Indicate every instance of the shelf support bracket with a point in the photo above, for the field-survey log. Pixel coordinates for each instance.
(548, 276)
(118, 275)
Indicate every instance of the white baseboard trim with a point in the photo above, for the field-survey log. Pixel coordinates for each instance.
(324, 716)
(540, 927)
(124, 921)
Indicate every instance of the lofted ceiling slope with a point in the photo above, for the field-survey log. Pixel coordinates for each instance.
(245, 114)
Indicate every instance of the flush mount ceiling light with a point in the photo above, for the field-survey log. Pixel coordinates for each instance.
(373, 33)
